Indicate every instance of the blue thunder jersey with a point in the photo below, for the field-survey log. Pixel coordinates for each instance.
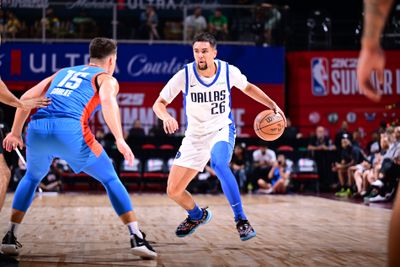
(73, 94)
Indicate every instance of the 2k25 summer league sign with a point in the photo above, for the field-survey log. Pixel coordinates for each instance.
(143, 70)
(323, 89)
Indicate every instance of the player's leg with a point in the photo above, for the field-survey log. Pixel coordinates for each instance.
(178, 180)
(103, 170)
(38, 164)
(394, 234)
(221, 154)
(4, 179)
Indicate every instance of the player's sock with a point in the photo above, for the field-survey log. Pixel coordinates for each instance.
(196, 213)
(220, 158)
(13, 227)
(133, 228)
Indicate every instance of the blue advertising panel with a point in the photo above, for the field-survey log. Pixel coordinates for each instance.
(136, 62)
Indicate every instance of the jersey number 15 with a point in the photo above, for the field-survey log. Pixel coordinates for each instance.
(72, 80)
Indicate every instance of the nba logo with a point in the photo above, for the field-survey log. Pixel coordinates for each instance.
(319, 76)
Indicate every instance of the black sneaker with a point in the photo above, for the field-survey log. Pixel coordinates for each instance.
(245, 230)
(141, 247)
(188, 226)
(10, 245)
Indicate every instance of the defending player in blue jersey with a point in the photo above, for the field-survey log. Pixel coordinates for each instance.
(206, 87)
(62, 130)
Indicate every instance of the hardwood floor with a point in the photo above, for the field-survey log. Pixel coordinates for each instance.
(83, 230)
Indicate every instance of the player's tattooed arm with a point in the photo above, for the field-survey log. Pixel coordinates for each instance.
(375, 14)
(371, 56)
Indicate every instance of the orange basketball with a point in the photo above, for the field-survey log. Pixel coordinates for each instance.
(268, 125)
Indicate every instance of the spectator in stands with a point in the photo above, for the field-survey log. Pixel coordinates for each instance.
(258, 26)
(137, 129)
(374, 144)
(389, 172)
(370, 175)
(100, 134)
(18, 172)
(320, 141)
(149, 23)
(84, 26)
(2, 23)
(157, 129)
(356, 173)
(206, 182)
(238, 166)
(13, 25)
(263, 160)
(273, 19)
(320, 146)
(52, 24)
(195, 23)
(344, 129)
(278, 177)
(218, 25)
(291, 132)
(349, 156)
(52, 181)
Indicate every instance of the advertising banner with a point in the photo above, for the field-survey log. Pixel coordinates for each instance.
(143, 70)
(323, 90)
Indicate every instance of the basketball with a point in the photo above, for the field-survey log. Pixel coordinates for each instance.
(269, 125)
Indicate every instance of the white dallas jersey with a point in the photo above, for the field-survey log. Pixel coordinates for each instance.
(206, 101)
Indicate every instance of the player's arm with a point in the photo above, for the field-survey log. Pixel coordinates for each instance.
(108, 91)
(167, 95)
(14, 139)
(8, 98)
(169, 122)
(376, 12)
(257, 94)
(371, 56)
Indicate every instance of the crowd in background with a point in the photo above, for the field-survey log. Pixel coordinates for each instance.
(258, 23)
(352, 165)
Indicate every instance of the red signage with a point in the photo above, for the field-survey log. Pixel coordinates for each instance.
(136, 101)
(323, 90)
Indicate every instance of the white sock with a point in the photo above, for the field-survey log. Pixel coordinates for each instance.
(133, 228)
(13, 227)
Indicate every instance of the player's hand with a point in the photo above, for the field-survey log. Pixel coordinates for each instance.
(370, 59)
(277, 110)
(126, 151)
(40, 102)
(12, 141)
(170, 125)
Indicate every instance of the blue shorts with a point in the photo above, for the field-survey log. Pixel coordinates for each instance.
(64, 138)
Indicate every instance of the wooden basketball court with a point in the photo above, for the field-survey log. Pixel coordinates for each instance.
(82, 230)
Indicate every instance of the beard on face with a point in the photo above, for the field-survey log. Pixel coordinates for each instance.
(202, 68)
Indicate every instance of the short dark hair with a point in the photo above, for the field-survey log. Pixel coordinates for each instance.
(101, 47)
(205, 37)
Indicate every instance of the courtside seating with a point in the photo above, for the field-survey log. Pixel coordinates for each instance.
(131, 176)
(154, 174)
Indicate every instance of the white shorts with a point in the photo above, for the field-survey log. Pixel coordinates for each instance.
(195, 151)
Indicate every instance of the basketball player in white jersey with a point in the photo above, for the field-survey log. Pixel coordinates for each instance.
(206, 87)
